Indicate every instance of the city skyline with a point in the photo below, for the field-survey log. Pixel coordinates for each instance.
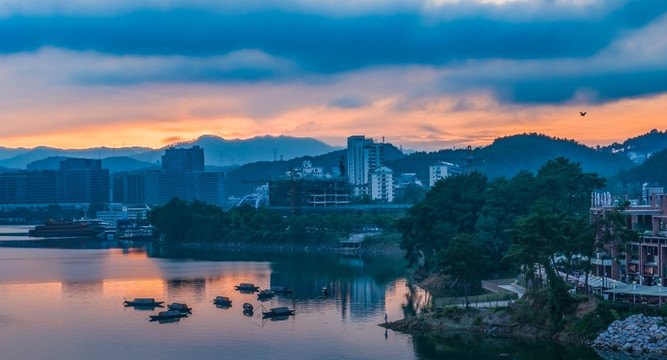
(425, 75)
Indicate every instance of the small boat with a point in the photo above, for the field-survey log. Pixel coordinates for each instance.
(281, 290)
(265, 294)
(180, 307)
(246, 287)
(146, 302)
(222, 301)
(169, 314)
(278, 312)
(248, 309)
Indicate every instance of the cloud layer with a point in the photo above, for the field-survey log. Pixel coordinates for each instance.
(316, 68)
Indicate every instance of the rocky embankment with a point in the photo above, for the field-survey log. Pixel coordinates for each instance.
(481, 321)
(636, 334)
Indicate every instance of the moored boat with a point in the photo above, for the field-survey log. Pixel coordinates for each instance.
(143, 302)
(222, 301)
(64, 229)
(279, 311)
(180, 307)
(169, 314)
(265, 294)
(246, 287)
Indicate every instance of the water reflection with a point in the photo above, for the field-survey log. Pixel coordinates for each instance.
(467, 346)
(86, 287)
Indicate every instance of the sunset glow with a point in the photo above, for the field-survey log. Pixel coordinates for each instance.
(424, 75)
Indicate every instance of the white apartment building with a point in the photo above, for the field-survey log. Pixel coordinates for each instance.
(441, 170)
(382, 184)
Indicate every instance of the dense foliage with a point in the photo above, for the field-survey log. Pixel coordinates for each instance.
(180, 221)
(533, 223)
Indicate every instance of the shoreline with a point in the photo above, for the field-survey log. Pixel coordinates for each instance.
(488, 322)
(327, 249)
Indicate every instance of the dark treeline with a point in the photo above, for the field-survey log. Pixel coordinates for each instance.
(469, 227)
(180, 221)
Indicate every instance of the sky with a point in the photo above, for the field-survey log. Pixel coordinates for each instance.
(423, 74)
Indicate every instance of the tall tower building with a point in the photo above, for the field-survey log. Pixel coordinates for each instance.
(83, 181)
(179, 161)
(363, 155)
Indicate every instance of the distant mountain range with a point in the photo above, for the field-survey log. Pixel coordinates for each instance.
(217, 152)
(250, 163)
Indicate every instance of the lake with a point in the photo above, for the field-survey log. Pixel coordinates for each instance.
(63, 299)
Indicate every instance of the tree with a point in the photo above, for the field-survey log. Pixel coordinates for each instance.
(452, 206)
(464, 258)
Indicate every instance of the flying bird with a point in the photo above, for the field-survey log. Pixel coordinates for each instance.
(582, 113)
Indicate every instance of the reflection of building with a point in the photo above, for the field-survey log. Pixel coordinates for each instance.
(181, 287)
(644, 262)
(441, 170)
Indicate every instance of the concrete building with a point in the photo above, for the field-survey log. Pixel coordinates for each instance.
(179, 161)
(206, 186)
(309, 192)
(182, 176)
(78, 181)
(644, 262)
(441, 170)
(382, 184)
(83, 181)
(363, 155)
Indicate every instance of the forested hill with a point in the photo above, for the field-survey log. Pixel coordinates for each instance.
(652, 171)
(508, 155)
(504, 157)
(244, 179)
(651, 142)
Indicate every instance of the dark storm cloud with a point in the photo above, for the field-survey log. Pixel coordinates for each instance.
(324, 44)
(299, 43)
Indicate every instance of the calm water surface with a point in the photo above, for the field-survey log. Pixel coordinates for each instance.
(63, 299)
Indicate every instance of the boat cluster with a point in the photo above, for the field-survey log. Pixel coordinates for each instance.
(181, 310)
(278, 313)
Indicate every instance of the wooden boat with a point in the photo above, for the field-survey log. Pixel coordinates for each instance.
(169, 314)
(246, 287)
(265, 294)
(146, 302)
(279, 311)
(180, 307)
(281, 290)
(222, 301)
(248, 309)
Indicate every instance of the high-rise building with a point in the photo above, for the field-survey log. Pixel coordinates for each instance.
(181, 161)
(83, 181)
(129, 188)
(363, 155)
(78, 181)
(206, 186)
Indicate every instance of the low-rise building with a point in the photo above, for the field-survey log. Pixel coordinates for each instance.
(441, 170)
(643, 262)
